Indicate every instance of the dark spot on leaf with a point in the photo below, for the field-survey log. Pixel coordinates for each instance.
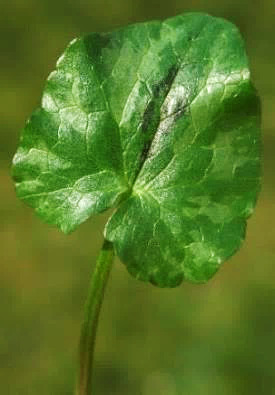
(163, 87)
(95, 42)
(179, 113)
(144, 152)
(151, 116)
(105, 40)
(148, 115)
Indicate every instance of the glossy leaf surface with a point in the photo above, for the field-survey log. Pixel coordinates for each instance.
(160, 121)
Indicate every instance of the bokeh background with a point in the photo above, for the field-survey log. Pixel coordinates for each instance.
(217, 338)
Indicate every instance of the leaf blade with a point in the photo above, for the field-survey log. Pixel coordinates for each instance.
(160, 121)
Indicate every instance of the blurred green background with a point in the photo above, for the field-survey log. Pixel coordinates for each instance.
(217, 338)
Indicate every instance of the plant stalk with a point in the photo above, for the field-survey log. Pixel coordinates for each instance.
(93, 304)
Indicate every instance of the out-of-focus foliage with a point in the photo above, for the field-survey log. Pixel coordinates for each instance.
(217, 338)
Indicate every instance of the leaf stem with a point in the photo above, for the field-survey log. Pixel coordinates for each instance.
(93, 304)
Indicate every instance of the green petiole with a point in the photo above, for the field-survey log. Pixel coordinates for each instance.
(93, 304)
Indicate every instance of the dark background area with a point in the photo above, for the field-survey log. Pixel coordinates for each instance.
(217, 338)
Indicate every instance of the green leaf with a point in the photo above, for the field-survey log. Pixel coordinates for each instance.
(160, 121)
